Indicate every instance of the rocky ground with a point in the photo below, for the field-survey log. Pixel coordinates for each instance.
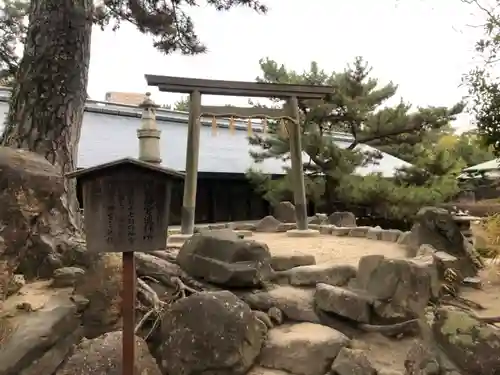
(354, 300)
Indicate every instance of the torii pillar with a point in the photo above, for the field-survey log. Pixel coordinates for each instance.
(290, 93)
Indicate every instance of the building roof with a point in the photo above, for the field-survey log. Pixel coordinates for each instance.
(109, 133)
(483, 167)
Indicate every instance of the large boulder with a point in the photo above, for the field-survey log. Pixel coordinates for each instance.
(285, 212)
(436, 227)
(472, 345)
(342, 219)
(103, 356)
(401, 288)
(38, 234)
(208, 331)
(220, 257)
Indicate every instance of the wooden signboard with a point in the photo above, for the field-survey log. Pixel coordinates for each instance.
(126, 205)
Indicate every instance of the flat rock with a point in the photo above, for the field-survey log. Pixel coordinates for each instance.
(302, 349)
(295, 303)
(67, 276)
(341, 231)
(31, 334)
(390, 235)
(358, 232)
(333, 274)
(344, 302)
(285, 262)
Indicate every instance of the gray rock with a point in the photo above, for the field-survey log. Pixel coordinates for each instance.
(285, 227)
(103, 356)
(220, 257)
(295, 303)
(67, 276)
(207, 331)
(302, 349)
(268, 224)
(285, 262)
(436, 226)
(326, 228)
(352, 362)
(334, 274)
(374, 233)
(276, 315)
(391, 235)
(344, 302)
(359, 232)
(15, 284)
(341, 231)
(420, 360)
(33, 334)
(342, 219)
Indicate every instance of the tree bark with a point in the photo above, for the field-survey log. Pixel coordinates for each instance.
(48, 98)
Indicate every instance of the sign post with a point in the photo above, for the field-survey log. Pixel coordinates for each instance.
(126, 208)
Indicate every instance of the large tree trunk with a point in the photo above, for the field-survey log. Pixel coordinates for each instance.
(38, 232)
(48, 98)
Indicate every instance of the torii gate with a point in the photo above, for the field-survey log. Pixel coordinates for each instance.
(290, 113)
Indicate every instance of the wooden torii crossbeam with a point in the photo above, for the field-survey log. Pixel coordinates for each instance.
(288, 92)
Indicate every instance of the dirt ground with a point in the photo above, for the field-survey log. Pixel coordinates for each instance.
(387, 355)
(328, 249)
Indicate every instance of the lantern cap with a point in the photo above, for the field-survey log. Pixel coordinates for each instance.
(87, 172)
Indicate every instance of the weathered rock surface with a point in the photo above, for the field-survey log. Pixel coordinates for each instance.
(102, 287)
(374, 233)
(342, 219)
(359, 232)
(37, 342)
(436, 227)
(295, 303)
(103, 356)
(67, 276)
(268, 224)
(391, 235)
(44, 236)
(318, 219)
(421, 360)
(334, 274)
(344, 302)
(220, 257)
(401, 288)
(208, 331)
(285, 262)
(302, 349)
(285, 212)
(352, 362)
(473, 345)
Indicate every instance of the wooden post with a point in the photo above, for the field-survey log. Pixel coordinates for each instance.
(128, 313)
(299, 190)
(192, 154)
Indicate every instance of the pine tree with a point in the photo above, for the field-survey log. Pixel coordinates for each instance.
(357, 106)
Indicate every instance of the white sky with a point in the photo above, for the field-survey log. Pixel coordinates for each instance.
(425, 46)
